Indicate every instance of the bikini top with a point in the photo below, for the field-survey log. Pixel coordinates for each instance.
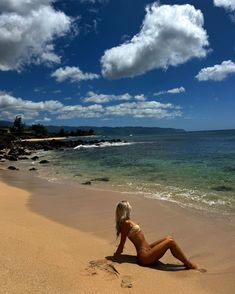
(134, 229)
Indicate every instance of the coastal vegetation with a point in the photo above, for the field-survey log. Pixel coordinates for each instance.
(18, 141)
(18, 130)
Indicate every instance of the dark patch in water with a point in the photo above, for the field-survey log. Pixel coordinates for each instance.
(86, 183)
(229, 169)
(103, 179)
(222, 188)
(77, 175)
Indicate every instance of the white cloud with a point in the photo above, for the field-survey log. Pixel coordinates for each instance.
(152, 109)
(79, 111)
(227, 4)
(44, 119)
(171, 91)
(57, 91)
(39, 89)
(217, 72)
(169, 36)
(11, 106)
(28, 29)
(22, 6)
(72, 74)
(104, 98)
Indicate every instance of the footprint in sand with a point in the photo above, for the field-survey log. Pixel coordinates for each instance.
(102, 264)
(202, 270)
(126, 282)
(107, 266)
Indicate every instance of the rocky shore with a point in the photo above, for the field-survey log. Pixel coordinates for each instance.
(19, 150)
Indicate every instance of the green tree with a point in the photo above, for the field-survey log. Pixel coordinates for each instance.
(61, 133)
(39, 130)
(18, 126)
(91, 132)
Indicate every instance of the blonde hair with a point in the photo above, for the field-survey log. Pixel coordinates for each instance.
(123, 211)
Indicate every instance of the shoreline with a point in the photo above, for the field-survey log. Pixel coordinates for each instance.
(90, 211)
(100, 185)
(215, 198)
(210, 200)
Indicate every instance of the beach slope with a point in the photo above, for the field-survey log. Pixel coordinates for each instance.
(40, 255)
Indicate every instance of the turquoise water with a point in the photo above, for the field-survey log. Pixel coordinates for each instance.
(194, 169)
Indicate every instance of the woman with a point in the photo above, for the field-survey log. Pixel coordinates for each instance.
(147, 253)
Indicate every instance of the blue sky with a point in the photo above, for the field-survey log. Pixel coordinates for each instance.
(118, 62)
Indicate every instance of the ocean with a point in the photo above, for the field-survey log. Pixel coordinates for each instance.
(193, 169)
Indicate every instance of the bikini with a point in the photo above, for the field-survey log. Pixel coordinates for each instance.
(134, 229)
(141, 251)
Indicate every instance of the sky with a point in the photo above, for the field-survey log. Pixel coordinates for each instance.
(118, 63)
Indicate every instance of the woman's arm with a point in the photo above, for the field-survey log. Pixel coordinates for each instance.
(124, 232)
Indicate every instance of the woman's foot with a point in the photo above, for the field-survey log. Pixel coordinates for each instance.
(192, 265)
(195, 266)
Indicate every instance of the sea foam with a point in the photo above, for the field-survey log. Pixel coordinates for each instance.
(104, 144)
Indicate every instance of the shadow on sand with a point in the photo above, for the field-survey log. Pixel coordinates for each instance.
(125, 258)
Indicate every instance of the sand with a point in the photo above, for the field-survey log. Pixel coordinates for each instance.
(55, 238)
(44, 139)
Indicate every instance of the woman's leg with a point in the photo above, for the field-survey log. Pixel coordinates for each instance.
(178, 253)
(160, 249)
(157, 242)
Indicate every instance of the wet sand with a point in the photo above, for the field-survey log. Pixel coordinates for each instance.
(51, 231)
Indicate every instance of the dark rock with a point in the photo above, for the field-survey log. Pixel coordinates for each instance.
(22, 157)
(10, 151)
(223, 188)
(12, 157)
(47, 148)
(11, 167)
(21, 151)
(32, 168)
(35, 157)
(25, 148)
(43, 161)
(103, 179)
(86, 183)
(27, 153)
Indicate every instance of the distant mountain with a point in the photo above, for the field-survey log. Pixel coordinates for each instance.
(5, 123)
(109, 131)
(119, 131)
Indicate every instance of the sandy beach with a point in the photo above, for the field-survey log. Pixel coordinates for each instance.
(50, 232)
(106, 102)
(43, 139)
